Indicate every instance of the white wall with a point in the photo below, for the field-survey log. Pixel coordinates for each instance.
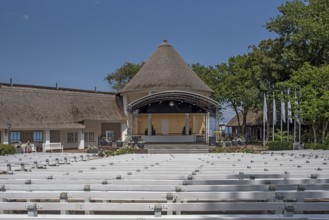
(124, 131)
(93, 126)
(4, 138)
(63, 134)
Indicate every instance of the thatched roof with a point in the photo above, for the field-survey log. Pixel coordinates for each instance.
(165, 70)
(253, 119)
(32, 107)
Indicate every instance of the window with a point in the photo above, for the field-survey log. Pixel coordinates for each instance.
(109, 135)
(37, 136)
(248, 132)
(15, 137)
(72, 137)
(89, 136)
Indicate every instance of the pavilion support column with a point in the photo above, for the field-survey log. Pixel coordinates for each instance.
(149, 127)
(124, 131)
(81, 139)
(187, 123)
(130, 125)
(207, 127)
(125, 104)
(47, 136)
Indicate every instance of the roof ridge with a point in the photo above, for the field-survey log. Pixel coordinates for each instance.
(54, 88)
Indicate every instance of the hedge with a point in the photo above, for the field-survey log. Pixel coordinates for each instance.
(278, 145)
(120, 151)
(235, 149)
(7, 149)
(126, 150)
(316, 146)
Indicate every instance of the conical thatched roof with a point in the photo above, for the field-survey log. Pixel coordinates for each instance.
(166, 70)
(253, 119)
(31, 107)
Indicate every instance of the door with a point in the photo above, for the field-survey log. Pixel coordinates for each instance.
(164, 126)
(114, 128)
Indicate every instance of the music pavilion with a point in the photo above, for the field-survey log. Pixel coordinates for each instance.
(165, 102)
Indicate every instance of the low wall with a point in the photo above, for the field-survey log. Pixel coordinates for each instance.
(170, 139)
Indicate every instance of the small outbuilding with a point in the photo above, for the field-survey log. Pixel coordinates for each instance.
(254, 126)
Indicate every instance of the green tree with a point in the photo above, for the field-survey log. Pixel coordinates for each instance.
(237, 87)
(301, 50)
(303, 29)
(121, 76)
(312, 84)
(211, 76)
(267, 69)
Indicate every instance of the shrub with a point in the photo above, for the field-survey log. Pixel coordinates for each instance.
(120, 151)
(244, 149)
(316, 146)
(92, 150)
(109, 153)
(277, 145)
(326, 141)
(7, 149)
(219, 143)
(126, 150)
(228, 143)
(101, 153)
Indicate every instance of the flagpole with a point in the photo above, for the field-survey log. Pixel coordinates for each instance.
(281, 130)
(264, 119)
(288, 132)
(274, 117)
(295, 122)
(300, 122)
(264, 133)
(289, 119)
(281, 118)
(299, 131)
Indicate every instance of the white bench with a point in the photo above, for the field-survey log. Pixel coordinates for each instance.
(52, 146)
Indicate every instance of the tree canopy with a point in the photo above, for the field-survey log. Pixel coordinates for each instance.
(121, 76)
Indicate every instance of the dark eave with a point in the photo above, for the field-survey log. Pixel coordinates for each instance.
(206, 103)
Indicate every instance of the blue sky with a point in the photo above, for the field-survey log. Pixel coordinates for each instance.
(76, 43)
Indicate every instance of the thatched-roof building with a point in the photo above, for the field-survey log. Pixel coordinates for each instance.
(166, 70)
(28, 111)
(165, 102)
(254, 125)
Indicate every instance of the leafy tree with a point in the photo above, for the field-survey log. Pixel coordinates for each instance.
(303, 29)
(121, 76)
(314, 90)
(312, 84)
(266, 64)
(267, 69)
(211, 76)
(237, 87)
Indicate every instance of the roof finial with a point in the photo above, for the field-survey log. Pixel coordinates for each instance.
(165, 42)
